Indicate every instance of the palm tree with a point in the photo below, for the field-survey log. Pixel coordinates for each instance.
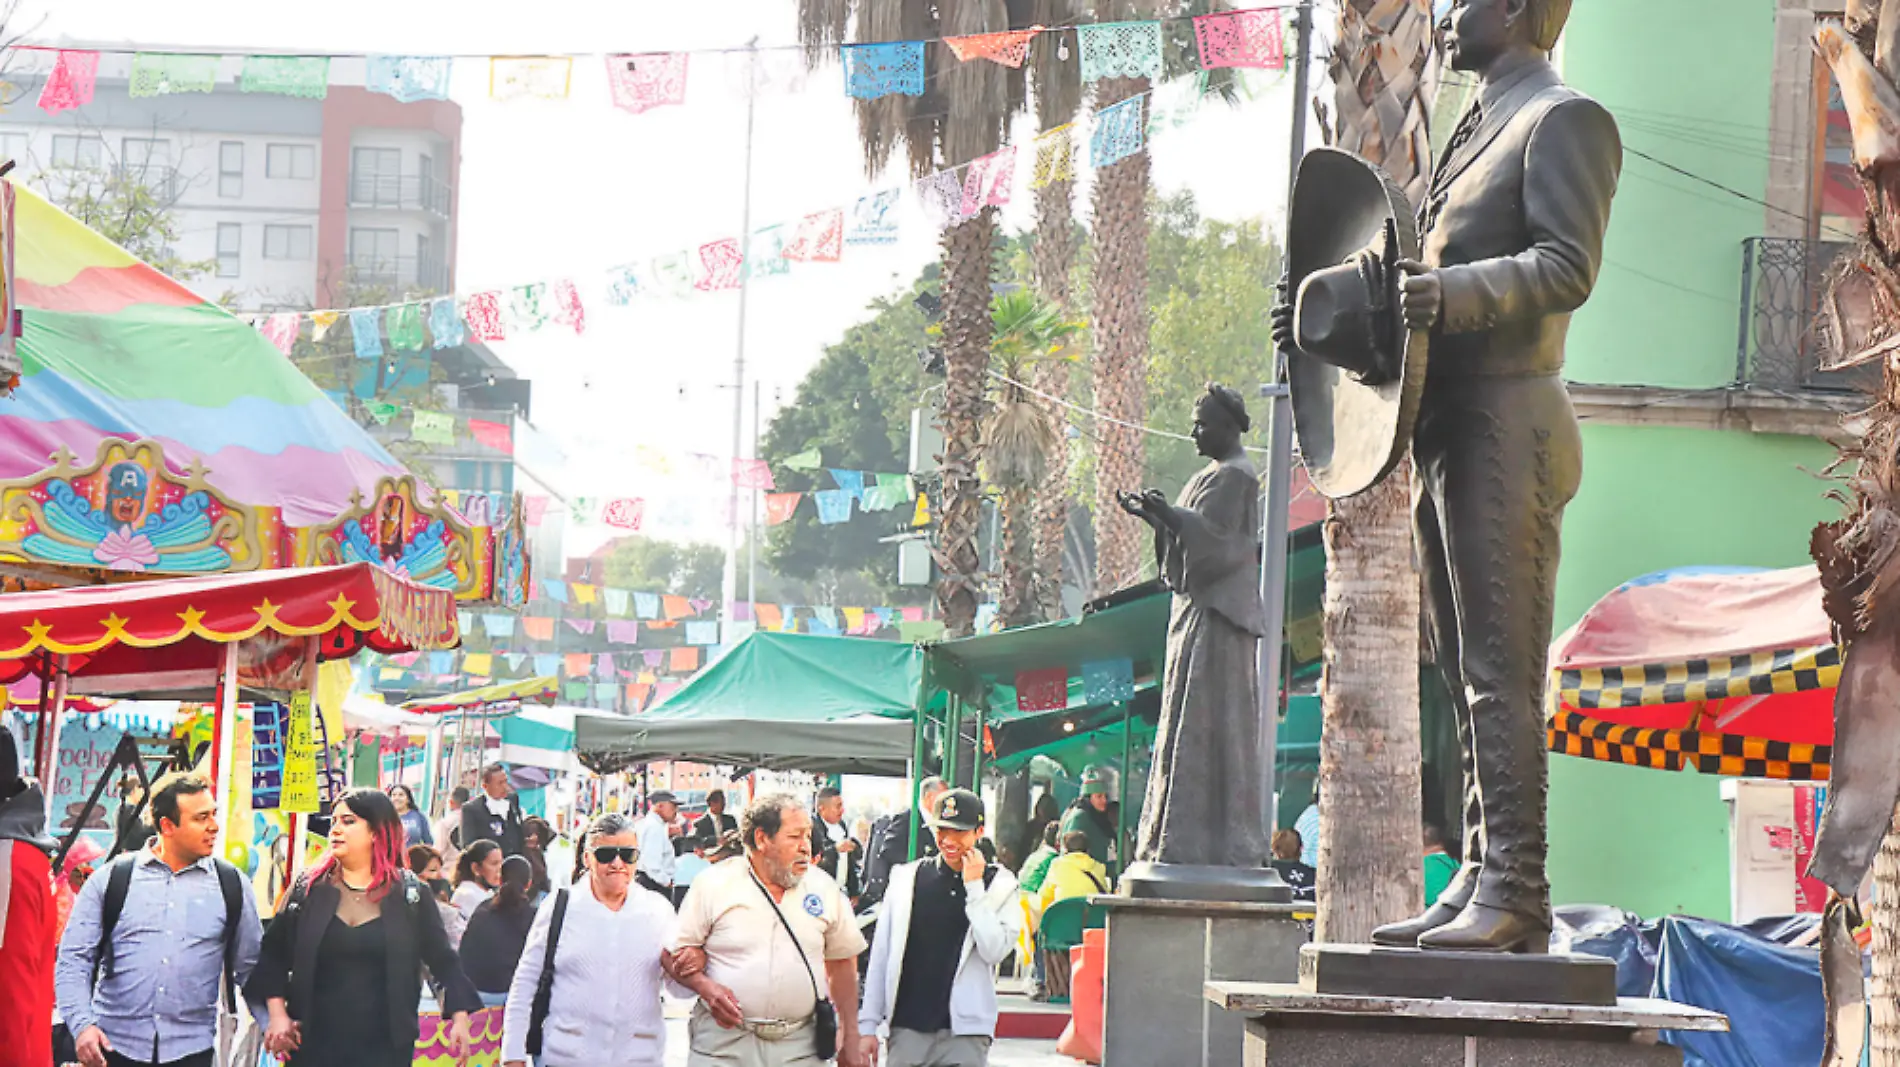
(1369, 873)
(1020, 437)
(962, 115)
(1856, 553)
(1056, 85)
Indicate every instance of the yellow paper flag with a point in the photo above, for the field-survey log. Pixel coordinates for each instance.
(320, 323)
(922, 515)
(583, 594)
(478, 663)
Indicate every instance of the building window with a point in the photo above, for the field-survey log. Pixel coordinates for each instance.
(135, 152)
(373, 254)
(376, 177)
(287, 242)
(230, 243)
(78, 150)
(231, 169)
(13, 146)
(297, 161)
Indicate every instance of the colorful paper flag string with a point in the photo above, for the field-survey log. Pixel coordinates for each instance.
(874, 70)
(70, 83)
(445, 323)
(1108, 681)
(1009, 48)
(626, 514)
(321, 321)
(987, 181)
(1055, 157)
(780, 507)
(765, 253)
(409, 78)
(164, 73)
(530, 77)
(873, 219)
(1046, 689)
(820, 238)
(720, 264)
(834, 505)
(528, 306)
(1240, 39)
(1120, 50)
(432, 427)
(644, 82)
(567, 306)
(281, 330)
(1118, 133)
(495, 435)
(366, 333)
(483, 313)
(305, 76)
(942, 197)
(623, 285)
(405, 327)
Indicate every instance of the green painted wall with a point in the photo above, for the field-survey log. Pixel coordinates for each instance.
(1653, 498)
(1667, 304)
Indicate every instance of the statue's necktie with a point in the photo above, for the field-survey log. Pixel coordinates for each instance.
(1467, 128)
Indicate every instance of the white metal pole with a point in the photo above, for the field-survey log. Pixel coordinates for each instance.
(221, 743)
(52, 710)
(729, 584)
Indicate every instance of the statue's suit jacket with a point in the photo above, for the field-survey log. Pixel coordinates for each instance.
(1514, 224)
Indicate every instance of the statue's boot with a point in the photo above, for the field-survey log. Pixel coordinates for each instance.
(1481, 928)
(1405, 933)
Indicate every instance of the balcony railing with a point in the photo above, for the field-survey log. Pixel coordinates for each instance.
(1782, 344)
(400, 192)
(399, 272)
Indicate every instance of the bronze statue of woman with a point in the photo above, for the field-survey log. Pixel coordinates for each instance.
(1206, 805)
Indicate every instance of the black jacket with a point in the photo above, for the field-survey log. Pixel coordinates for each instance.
(492, 944)
(287, 962)
(475, 825)
(709, 828)
(892, 837)
(849, 874)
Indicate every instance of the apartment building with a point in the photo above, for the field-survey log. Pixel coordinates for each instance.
(296, 203)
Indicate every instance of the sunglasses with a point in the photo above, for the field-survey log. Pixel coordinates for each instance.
(608, 853)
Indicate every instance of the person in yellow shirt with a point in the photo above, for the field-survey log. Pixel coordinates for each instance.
(1075, 873)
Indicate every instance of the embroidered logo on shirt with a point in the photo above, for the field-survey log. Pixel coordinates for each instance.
(813, 906)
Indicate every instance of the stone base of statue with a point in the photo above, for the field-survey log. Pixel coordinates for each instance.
(1378, 971)
(1149, 880)
(1288, 1025)
(1162, 954)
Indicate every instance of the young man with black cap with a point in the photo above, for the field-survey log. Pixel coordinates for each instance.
(948, 920)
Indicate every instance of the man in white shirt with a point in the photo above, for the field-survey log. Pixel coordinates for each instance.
(656, 845)
(755, 934)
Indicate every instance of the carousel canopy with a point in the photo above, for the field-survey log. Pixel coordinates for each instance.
(1728, 670)
(112, 348)
(168, 635)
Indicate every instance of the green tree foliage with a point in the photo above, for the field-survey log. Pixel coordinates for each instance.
(647, 565)
(1211, 283)
(135, 207)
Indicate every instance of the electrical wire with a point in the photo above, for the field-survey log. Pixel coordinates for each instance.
(1093, 414)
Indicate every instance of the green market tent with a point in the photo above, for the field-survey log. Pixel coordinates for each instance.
(834, 705)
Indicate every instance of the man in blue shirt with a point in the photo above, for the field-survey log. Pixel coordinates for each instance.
(156, 998)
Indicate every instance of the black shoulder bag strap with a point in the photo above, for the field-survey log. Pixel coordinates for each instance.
(544, 987)
(231, 885)
(825, 1013)
(118, 885)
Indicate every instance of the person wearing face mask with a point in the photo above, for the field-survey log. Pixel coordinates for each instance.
(587, 989)
(341, 968)
(755, 933)
(948, 921)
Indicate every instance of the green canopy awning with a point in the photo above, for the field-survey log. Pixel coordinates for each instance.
(858, 745)
(983, 668)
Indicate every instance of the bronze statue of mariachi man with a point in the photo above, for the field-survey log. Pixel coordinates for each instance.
(1509, 241)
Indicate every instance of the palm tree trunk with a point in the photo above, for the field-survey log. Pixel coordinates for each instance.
(1054, 258)
(1370, 799)
(1017, 604)
(1853, 553)
(1121, 350)
(968, 259)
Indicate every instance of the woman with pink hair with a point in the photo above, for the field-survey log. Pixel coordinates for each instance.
(341, 965)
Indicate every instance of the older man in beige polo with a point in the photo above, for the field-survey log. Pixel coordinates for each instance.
(760, 993)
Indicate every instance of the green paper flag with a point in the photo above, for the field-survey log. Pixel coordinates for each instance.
(809, 460)
(381, 410)
(433, 427)
(404, 323)
(899, 486)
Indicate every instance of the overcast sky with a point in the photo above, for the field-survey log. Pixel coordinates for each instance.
(568, 188)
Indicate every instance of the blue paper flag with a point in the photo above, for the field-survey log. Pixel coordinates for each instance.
(606, 692)
(367, 331)
(874, 219)
(646, 605)
(441, 662)
(821, 627)
(616, 601)
(1118, 133)
(834, 505)
(445, 322)
(850, 481)
(409, 78)
(498, 625)
(515, 660)
(546, 663)
(828, 616)
(874, 70)
(702, 633)
(1109, 681)
(555, 591)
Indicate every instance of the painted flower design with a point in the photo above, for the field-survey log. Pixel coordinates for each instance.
(123, 550)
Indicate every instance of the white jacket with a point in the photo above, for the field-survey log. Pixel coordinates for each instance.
(995, 920)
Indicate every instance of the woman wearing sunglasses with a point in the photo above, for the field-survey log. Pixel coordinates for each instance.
(608, 965)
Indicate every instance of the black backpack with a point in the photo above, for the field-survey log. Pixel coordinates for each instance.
(119, 884)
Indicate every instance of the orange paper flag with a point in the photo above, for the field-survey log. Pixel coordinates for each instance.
(684, 659)
(677, 607)
(538, 629)
(769, 616)
(579, 665)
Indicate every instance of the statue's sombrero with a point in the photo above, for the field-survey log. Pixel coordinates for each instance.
(1356, 372)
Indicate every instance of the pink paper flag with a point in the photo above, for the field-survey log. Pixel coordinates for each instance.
(1240, 39)
(780, 506)
(625, 513)
(281, 330)
(641, 83)
(69, 85)
(581, 626)
(484, 317)
(495, 435)
(986, 182)
(1046, 689)
(567, 306)
(623, 631)
(751, 474)
(533, 509)
(820, 238)
(721, 263)
(913, 614)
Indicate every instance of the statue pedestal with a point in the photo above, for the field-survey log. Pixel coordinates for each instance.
(1376, 971)
(1162, 953)
(1291, 1026)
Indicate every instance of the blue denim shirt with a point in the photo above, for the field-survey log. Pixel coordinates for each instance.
(160, 1002)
